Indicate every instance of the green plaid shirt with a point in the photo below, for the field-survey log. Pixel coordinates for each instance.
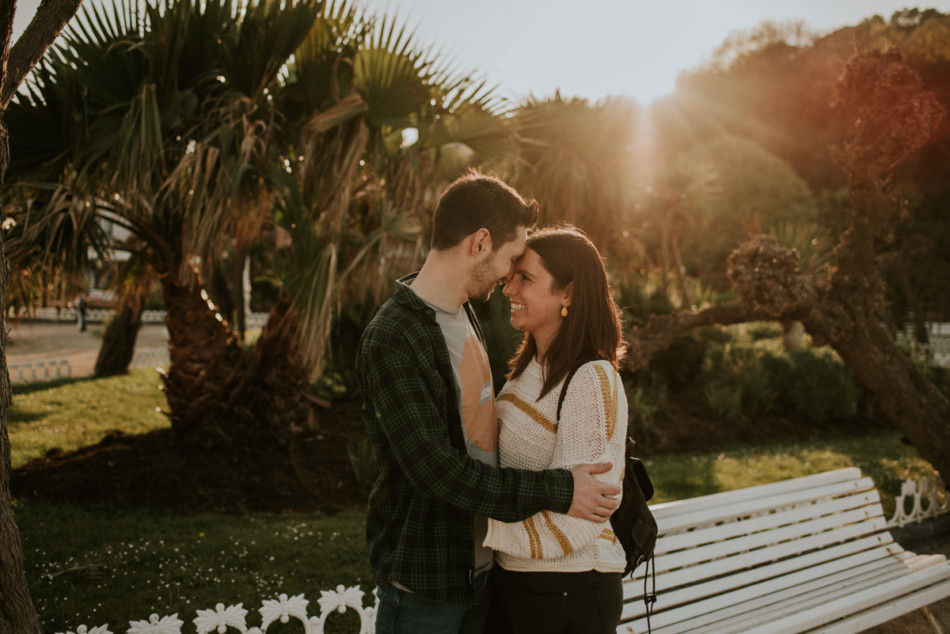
(420, 525)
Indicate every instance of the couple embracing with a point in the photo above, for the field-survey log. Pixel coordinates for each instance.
(490, 513)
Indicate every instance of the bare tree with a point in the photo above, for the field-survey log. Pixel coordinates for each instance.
(894, 117)
(16, 608)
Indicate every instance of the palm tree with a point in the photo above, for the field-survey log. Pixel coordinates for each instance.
(374, 130)
(578, 160)
(170, 118)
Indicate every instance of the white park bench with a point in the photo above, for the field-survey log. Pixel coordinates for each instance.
(800, 555)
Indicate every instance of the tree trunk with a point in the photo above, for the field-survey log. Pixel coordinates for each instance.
(17, 613)
(217, 393)
(906, 397)
(118, 342)
(16, 608)
(203, 384)
(279, 370)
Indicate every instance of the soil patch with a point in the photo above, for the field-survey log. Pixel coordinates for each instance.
(159, 471)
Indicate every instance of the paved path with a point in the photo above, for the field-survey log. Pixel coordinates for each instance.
(31, 341)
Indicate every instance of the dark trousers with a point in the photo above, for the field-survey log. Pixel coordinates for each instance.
(555, 602)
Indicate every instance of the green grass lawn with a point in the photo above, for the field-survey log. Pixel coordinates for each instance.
(102, 565)
(69, 414)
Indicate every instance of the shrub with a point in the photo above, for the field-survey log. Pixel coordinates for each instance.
(821, 388)
(643, 401)
(763, 330)
(736, 380)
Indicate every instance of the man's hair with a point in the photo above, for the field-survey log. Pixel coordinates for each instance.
(475, 201)
(592, 329)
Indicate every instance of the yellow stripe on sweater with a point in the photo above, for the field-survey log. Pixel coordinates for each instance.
(534, 538)
(532, 412)
(609, 392)
(562, 539)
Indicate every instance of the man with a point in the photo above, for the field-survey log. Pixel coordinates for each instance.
(429, 410)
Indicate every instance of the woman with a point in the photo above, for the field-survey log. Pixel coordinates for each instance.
(556, 573)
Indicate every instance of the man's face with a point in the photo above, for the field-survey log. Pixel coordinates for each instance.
(497, 266)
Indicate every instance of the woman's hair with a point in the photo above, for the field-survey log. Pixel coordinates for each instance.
(591, 330)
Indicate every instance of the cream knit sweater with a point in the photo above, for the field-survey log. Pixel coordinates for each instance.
(592, 429)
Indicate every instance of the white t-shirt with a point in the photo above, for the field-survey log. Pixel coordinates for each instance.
(476, 399)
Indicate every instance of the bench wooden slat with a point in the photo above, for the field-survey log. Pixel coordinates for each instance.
(885, 611)
(802, 596)
(755, 609)
(669, 510)
(791, 540)
(742, 507)
(671, 543)
(757, 561)
(844, 586)
(890, 591)
(710, 598)
(785, 571)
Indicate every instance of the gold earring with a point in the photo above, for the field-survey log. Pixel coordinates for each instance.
(563, 311)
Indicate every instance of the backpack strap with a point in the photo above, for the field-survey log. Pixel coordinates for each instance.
(560, 399)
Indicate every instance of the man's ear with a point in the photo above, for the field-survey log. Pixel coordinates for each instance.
(568, 294)
(481, 244)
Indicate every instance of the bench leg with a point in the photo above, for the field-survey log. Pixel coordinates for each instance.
(934, 624)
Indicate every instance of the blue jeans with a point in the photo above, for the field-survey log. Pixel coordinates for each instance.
(402, 612)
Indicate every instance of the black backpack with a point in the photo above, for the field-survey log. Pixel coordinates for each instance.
(632, 522)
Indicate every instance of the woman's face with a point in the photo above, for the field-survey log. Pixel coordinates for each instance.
(535, 305)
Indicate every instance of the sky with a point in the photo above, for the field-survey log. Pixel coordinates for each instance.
(593, 48)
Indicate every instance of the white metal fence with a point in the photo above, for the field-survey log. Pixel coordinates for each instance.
(66, 315)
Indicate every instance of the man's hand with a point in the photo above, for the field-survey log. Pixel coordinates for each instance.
(593, 500)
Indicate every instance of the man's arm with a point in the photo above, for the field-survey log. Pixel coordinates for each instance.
(417, 436)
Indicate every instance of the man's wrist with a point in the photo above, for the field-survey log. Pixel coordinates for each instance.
(563, 491)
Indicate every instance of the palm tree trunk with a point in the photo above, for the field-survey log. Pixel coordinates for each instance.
(278, 369)
(217, 393)
(118, 342)
(205, 384)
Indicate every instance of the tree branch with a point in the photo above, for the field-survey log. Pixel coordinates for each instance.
(44, 28)
(661, 330)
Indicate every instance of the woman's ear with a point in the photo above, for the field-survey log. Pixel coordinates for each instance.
(568, 294)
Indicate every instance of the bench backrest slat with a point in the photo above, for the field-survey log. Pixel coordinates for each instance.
(790, 540)
(715, 500)
(869, 501)
(739, 506)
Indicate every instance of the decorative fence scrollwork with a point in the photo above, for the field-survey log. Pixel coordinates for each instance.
(925, 497)
(282, 609)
